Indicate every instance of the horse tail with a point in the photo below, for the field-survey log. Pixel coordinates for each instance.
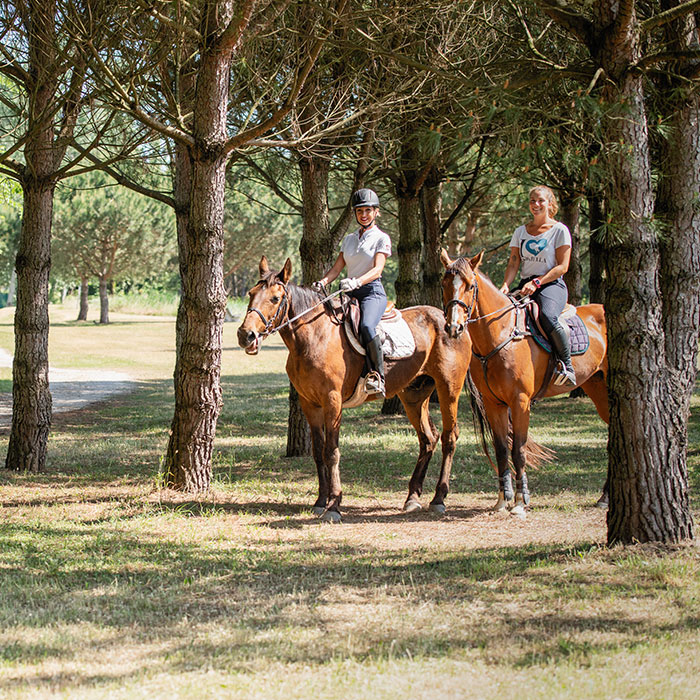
(482, 427)
(537, 455)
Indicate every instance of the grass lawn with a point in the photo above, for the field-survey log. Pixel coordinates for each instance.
(110, 588)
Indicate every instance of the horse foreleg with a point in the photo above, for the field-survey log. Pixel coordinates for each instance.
(417, 412)
(449, 399)
(497, 415)
(331, 457)
(314, 416)
(521, 423)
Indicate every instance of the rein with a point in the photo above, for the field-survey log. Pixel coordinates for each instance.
(516, 334)
(270, 326)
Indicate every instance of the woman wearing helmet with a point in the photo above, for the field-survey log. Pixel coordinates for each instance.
(364, 252)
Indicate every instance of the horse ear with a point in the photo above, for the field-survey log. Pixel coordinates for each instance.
(476, 260)
(263, 267)
(286, 272)
(445, 258)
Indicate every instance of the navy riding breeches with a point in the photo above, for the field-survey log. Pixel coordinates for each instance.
(372, 298)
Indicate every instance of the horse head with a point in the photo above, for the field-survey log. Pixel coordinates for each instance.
(460, 291)
(267, 307)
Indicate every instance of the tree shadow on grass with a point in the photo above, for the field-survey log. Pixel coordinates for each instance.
(301, 602)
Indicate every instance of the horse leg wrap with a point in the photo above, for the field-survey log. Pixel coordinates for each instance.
(505, 484)
(521, 488)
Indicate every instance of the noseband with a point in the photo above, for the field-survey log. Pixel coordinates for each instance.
(271, 324)
(468, 308)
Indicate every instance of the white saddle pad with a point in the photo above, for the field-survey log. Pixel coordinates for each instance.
(397, 340)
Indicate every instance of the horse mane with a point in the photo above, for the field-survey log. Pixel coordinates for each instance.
(300, 298)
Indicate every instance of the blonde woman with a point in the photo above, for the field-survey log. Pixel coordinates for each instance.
(541, 250)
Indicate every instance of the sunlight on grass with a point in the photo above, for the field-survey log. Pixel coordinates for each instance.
(112, 588)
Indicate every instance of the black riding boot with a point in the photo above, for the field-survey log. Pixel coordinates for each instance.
(375, 356)
(560, 341)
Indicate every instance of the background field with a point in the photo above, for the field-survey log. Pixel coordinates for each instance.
(112, 588)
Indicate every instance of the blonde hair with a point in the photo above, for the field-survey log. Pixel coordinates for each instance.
(549, 194)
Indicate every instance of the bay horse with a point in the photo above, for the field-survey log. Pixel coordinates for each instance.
(509, 368)
(324, 369)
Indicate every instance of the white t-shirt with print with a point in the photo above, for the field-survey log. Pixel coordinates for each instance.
(359, 252)
(538, 253)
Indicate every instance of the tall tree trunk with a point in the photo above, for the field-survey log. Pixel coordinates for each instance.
(104, 301)
(31, 413)
(198, 396)
(647, 501)
(83, 311)
(596, 257)
(570, 215)
(317, 251)
(409, 248)
(431, 203)
(678, 209)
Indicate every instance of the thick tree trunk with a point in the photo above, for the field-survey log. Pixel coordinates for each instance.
(104, 301)
(201, 170)
(409, 248)
(31, 412)
(647, 500)
(678, 209)
(596, 257)
(570, 215)
(317, 252)
(431, 203)
(83, 310)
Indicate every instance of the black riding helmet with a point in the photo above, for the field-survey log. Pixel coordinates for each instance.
(364, 198)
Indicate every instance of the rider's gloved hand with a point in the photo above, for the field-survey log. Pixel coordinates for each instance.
(318, 286)
(349, 283)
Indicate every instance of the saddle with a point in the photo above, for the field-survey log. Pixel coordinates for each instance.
(569, 320)
(395, 334)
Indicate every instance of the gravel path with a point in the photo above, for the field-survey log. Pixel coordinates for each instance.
(71, 388)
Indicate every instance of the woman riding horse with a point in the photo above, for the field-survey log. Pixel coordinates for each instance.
(543, 247)
(325, 368)
(510, 369)
(365, 251)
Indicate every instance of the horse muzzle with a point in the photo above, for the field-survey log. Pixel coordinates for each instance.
(454, 330)
(249, 341)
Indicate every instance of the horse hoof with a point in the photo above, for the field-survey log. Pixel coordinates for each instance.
(602, 503)
(331, 516)
(412, 506)
(437, 508)
(318, 510)
(519, 512)
(500, 506)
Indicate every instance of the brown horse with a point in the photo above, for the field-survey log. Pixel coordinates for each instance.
(324, 369)
(509, 368)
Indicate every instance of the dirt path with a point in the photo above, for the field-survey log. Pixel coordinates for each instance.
(71, 388)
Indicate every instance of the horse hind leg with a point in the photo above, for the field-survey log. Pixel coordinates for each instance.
(416, 405)
(596, 389)
(521, 421)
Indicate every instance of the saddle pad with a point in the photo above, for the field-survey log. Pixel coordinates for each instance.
(396, 336)
(578, 334)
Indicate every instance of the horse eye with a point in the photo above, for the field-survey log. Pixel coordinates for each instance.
(275, 300)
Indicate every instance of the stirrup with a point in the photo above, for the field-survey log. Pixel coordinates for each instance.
(563, 375)
(374, 384)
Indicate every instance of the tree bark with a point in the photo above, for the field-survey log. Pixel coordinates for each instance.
(31, 412)
(83, 310)
(317, 251)
(409, 248)
(201, 171)
(570, 216)
(596, 274)
(431, 203)
(104, 301)
(647, 502)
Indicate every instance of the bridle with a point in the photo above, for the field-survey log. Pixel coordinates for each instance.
(468, 308)
(270, 326)
(282, 310)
